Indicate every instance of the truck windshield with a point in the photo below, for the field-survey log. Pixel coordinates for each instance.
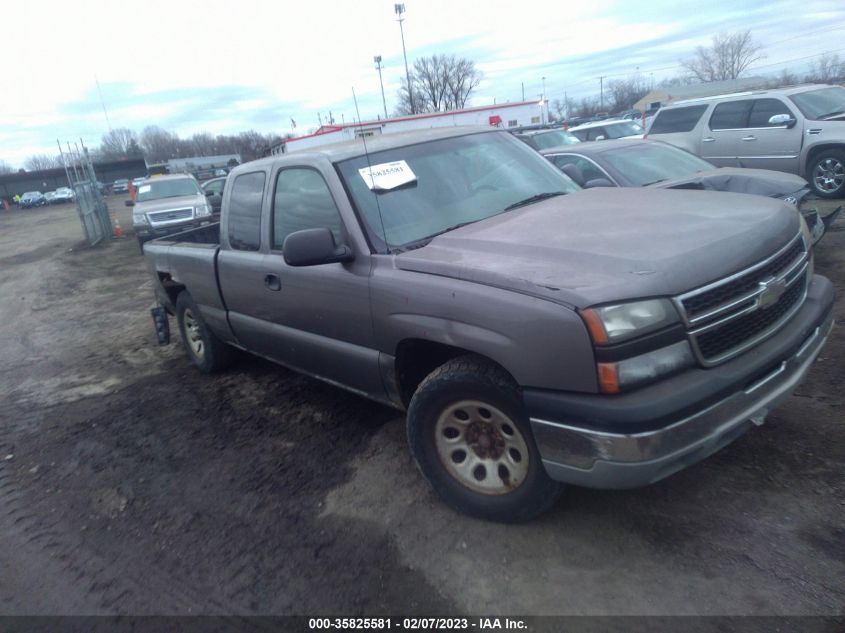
(447, 183)
(156, 189)
(821, 104)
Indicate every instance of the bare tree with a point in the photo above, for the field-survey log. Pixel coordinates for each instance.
(439, 83)
(5, 168)
(204, 144)
(624, 93)
(826, 69)
(728, 58)
(39, 162)
(158, 144)
(588, 106)
(120, 142)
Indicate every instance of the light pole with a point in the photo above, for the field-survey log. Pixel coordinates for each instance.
(399, 9)
(377, 60)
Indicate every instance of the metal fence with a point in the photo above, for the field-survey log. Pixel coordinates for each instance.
(93, 210)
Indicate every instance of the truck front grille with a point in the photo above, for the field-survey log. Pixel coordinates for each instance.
(172, 215)
(729, 316)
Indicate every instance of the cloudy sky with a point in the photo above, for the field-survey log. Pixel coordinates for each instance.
(222, 67)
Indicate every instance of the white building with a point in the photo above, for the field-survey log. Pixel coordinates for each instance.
(503, 115)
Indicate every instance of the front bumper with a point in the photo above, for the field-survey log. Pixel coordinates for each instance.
(639, 438)
(147, 232)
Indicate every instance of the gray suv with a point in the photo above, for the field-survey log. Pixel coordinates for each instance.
(800, 130)
(168, 204)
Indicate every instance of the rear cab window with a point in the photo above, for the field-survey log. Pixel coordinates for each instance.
(244, 219)
(682, 119)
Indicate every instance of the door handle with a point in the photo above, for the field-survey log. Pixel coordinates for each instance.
(749, 138)
(708, 139)
(272, 282)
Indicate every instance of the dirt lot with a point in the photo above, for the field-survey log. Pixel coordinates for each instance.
(130, 483)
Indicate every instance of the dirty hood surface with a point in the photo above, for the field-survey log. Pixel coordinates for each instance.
(762, 182)
(606, 245)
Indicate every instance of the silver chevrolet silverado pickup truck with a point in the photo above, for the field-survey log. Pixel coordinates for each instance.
(534, 333)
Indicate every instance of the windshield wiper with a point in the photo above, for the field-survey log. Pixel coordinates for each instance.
(654, 182)
(424, 241)
(535, 198)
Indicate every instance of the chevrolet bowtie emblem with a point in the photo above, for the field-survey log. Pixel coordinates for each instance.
(770, 291)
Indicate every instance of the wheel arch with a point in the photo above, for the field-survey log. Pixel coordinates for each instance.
(814, 151)
(416, 358)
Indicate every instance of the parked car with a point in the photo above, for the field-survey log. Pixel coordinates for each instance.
(121, 185)
(602, 130)
(799, 130)
(33, 199)
(167, 205)
(646, 163)
(534, 337)
(543, 138)
(50, 197)
(213, 190)
(63, 195)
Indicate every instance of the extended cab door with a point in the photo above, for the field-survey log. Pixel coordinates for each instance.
(321, 316)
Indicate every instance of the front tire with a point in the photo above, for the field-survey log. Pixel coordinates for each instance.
(207, 352)
(826, 174)
(472, 440)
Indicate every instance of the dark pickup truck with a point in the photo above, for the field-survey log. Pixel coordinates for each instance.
(535, 333)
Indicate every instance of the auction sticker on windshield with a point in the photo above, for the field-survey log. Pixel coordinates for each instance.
(387, 176)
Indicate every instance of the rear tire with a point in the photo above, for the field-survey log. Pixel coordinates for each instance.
(472, 440)
(826, 173)
(206, 351)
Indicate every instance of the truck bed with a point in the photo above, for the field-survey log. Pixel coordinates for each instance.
(187, 260)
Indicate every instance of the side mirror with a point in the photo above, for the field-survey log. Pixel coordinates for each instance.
(785, 120)
(575, 173)
(130, 203)
(598, 182)
(312, 247)
(209, 193)
(600, 137)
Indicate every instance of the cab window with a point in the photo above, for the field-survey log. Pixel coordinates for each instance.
(764, 109)
(302, 201)
(731, 115)
(245, 211)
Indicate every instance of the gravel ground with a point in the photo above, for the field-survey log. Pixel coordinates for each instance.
(131, 484)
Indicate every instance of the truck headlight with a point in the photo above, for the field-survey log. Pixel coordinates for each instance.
(139, 219)
(615, 323)
(648, 367)
(203, 210)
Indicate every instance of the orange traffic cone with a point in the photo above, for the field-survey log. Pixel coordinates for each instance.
(118, 232)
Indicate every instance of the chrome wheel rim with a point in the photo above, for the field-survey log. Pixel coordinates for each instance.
(481, 447)
(192, 331)
(829, 175)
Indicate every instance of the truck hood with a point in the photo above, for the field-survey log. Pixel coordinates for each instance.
(762, 182)
(607, 245)
(165, 204)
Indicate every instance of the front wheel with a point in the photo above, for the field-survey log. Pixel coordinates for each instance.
(472, 440)
(826, 174)
(206, 351)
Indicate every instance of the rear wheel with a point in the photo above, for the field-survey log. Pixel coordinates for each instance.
(472, 440)
(826, 173)
(206, 351)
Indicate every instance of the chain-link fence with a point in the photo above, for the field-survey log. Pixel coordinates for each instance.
(93, 210)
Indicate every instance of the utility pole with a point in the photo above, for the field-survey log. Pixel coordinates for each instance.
(377, 60)
(399, 9)
(523, 91)
(601, 94)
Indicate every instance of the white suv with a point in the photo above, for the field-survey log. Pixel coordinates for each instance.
(800, 130)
